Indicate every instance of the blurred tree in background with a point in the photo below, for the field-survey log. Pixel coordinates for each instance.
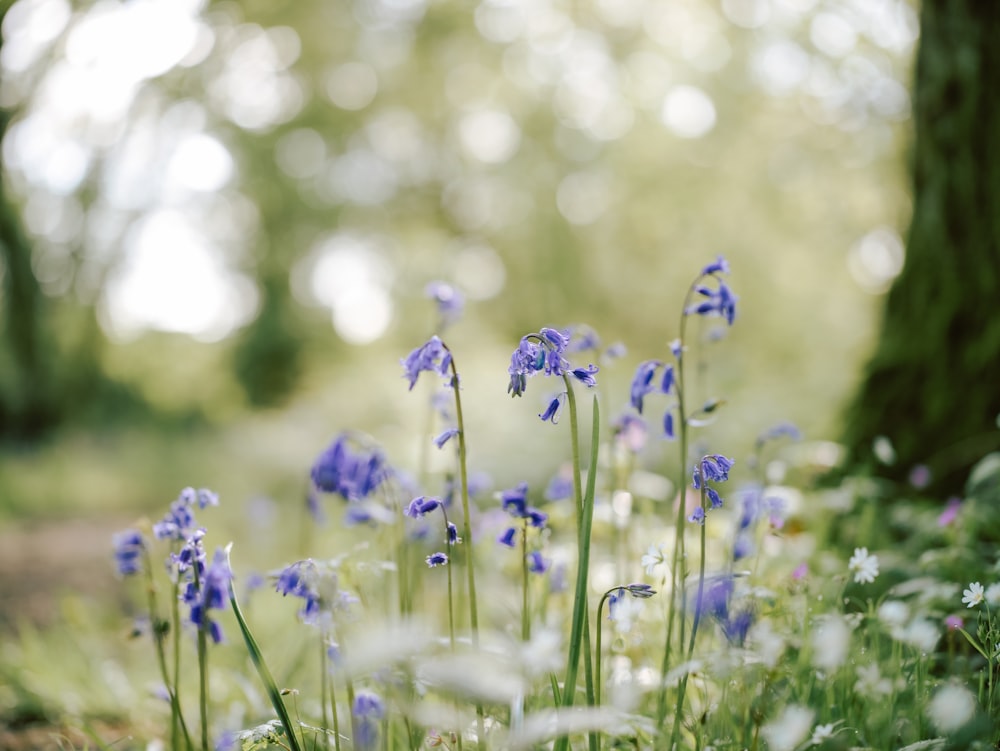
(235, 204)
(933, 384)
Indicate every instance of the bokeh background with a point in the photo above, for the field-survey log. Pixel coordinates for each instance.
(220, 219)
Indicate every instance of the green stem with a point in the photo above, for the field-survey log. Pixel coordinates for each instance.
(525, 611)
(157, 626)
(585, 504)
(682, 688)
(323, 686)
(467, 530)
(202, 668)
(257, 658)
(677, 576)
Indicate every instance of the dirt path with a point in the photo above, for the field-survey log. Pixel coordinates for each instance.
(40, 562)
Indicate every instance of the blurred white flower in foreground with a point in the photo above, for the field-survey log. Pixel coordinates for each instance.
(790, 729)
(863, 565)
(952, 706)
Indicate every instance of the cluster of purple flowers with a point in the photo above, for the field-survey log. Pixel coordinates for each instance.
(638, 591)
(432, 356)
(179, 522)
(351, 473)
(716, 602)
(545, 352)
(368, 711)
(711, 468)
(206, 587)
(300, 580)
(128, 546)
(515, 502)
(644, 383)
(719, 301)
(423, 505)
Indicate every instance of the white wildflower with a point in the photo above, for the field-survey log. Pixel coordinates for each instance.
(823, 732)
(893, 613)
(921, 634)
(767, 642)
(951, 707)
(974, 595)
(993, 595)
(863, 565)
(789, 729)
(652, 558)
(830, 641)
(870, 681)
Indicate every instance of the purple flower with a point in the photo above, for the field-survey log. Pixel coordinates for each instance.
(714, 467)
(560, 487)
(698, 515)
(446, 436)
(450, 301)
(354, 475)
(453, 538)
(720, 301)
(212, 595)
(642, 382)
(431, 356)
(508, 538)
(536, 563)
(437, 559)
(367, 710)
(128, 547)
(515, 500)
(719, 266)
(527, 359)
(207, 498)
(179, 522)
(586, 375)
(668, 424)
(551, 412)
(421, 506)
(536, 518)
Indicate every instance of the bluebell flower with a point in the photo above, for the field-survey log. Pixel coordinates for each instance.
(509, 537)
(450, 301)
(560, 487)
(641, 591)
(719, 266)
(551, 412)
(431, 356)
(354, 475)
(698, 515)
(536, 563)
(667, 382)
(213, 595)
(191, 554)
(515, 500)
(615, 597)
(368, 710)
(720, 301)
(128, 547)
(179, 521)
(437, 559)
(445, 436)
(536, 518)
(716, 603)
(713, 497)
(300, 579)
(422, 506)
(544, 352)
(642, 382)
(453, 538)
(206, 497)
(676, 349)
(668, 423)
(743, 546)
(586, 375)
(716, 467)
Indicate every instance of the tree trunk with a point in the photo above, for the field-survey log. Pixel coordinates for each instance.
(933, 384)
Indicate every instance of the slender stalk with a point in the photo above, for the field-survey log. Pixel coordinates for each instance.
(257, 658)
(467, 531)
(175, 626)
(597, 661)
(682, 687)
(525, 598)
(676, 575)
(157, 626)
(333, 704)
(202, 668)
(323, 686)
(585, 504)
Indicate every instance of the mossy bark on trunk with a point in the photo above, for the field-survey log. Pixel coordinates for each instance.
(933, 383)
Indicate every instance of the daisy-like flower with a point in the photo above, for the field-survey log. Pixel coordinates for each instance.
(652, 558)
(822, 733)
(974, 595)
(863, 565)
